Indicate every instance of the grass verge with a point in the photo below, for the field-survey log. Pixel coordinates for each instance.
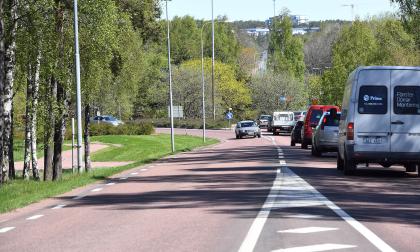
(140, 149)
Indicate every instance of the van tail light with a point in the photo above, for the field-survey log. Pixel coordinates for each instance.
(350, 131)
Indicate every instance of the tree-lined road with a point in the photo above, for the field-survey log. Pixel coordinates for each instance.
(239, 195)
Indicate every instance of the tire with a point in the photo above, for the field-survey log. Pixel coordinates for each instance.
(349, 166)
(412, 167)
(304, 145)
(292, 143)
(340, 162)
(314, 151)
(259, 135)
(237, 136)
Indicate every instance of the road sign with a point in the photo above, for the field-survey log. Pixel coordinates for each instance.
(229, 116)
(178, 111)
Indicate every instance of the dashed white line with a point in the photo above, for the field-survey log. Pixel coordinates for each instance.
(79, 197)
(6, 229)
(97, 189)
(58, 206)
(123, 178)
(316, 248)
(35, 217)
(134, 173)
(110, 184)
(144, 169)
(304, 216)
(307, 230)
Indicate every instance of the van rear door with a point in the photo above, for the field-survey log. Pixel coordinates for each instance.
(405, 117)
(372, 114)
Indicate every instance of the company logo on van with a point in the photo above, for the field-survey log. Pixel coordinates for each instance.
(367, 98)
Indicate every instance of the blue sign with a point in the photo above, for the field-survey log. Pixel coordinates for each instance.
(229, 116)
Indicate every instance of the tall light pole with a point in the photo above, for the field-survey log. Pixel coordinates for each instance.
(352, 10)
(171, 109)
(274, 2)
(212, 62)
(203, 84)
(80, 168)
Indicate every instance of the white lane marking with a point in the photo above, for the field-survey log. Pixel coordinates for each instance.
(254, 232)
(307, 230)
(144, 169)
(303, 186)
(304, 216)
(6, 229)
(124, 178)
(97, 189)
(35, 217)
(79, 197)
(58, 207)
(316, 248)
(151, 166)
(282, 162)
(134, 173)
(110, 184)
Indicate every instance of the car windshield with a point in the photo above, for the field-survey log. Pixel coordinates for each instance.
(316, 116)
(247, 124)
(264, 117)
(332, 121)
(283, 117)
(109, 118)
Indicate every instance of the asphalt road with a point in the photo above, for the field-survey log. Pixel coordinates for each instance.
(240, 195)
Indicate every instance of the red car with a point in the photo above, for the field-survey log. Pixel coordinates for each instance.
(311, 121)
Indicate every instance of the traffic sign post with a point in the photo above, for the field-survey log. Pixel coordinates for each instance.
(229, 116)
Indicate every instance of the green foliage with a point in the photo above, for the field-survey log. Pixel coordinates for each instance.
(285, 50)
(410, 15)
(374, 42)
(133, 128)
(185, 39)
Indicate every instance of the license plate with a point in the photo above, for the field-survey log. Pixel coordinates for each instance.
(372, 140)
(250, 133)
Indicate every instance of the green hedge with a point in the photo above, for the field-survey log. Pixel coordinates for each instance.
(103, 129)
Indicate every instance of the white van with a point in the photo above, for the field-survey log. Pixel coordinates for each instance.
(380, 118)
(283, 122)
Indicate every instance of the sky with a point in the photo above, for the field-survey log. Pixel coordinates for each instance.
(262, 9)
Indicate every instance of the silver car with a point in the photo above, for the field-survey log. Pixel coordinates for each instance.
(325, 137)
(107, 119)
(247, 128)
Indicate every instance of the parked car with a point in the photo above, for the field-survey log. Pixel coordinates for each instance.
(283, 122)
(380, 118)
(325, 137)
(295, 136)
(247, 128)
(299, 115)
(108, 119)
(264, 121)
(311, 121)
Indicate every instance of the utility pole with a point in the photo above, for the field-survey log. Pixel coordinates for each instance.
(212, 62)
(352, 10)
(80, 168)
(171, 108)
(274, 2)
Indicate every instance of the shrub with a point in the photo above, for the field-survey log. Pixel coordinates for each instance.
(125, 129)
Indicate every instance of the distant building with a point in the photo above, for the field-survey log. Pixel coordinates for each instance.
(299, 19)
(255, 32)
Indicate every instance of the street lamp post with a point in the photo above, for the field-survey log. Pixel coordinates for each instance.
(202, 82)
(171, 109)
(212, 62)
(78, 90)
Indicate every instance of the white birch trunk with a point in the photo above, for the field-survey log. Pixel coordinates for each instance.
(10, 62)
(33, 124)
(28, 120)
(2, 52)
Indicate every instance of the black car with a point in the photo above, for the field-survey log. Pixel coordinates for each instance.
(295, 136)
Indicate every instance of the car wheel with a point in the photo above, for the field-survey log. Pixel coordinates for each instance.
(259, 135)
(304, 145)
(292, 143)
(410, 167)
(349, 166)
(237, 136)
(340, 162)
(314, 151)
